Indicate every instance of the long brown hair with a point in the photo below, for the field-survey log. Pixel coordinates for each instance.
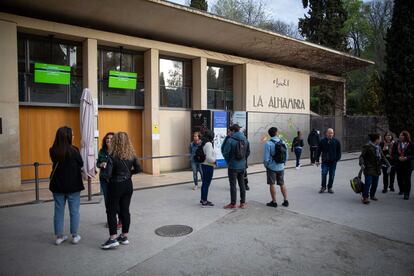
(104, 145)
(62, 146)
(121, 147)
(407, 136)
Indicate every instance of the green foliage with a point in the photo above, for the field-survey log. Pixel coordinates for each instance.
(398, 78)
(199, 4)
(324, 23)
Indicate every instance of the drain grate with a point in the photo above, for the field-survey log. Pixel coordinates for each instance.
(173, 230)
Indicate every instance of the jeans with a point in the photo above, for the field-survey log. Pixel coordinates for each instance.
(237, 176)
(370, 186)
(313, 151)
(58, 218)
(119, 198)
(196, 167)
(390, 177)
(207, 177)
(328, 167)
(298, 153)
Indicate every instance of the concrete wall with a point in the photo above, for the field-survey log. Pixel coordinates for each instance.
(9, 108)
(175, 138)
(287, 124)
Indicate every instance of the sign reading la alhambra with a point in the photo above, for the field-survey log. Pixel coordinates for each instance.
(274, 90)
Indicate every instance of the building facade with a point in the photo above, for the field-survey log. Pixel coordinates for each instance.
(147, 63)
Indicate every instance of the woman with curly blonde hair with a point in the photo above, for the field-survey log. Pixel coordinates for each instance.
(122, 164)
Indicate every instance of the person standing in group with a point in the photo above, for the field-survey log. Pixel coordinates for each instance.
(195, 166)
(275, 156)
(403, 153)
(313, 142)
(371, 160)
(101, 163)
(387, 146)
(297, 146)
(330, 149)
(207, 167)
(235, 152)
(66, 183)
(122, 164)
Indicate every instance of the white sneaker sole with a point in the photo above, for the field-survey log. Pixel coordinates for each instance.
(76, 239)
(109, 246)
(61, 240)
(124, 242)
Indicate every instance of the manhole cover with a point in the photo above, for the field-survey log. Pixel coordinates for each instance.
(173, 230)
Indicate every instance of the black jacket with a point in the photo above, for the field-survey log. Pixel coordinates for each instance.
(330, 150)
(371, 161)
(66, 175)
(313, 139)
(297, 143)
(121, 170)
(409, 153)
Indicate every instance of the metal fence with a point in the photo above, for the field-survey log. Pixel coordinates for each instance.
(355, 129)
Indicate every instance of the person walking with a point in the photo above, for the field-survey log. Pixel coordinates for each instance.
(235, 152)
(313, 142)
(195, 166)
(275, 156)
(403, 153)
(122, 164)
(66, 183)
(370, 161)
(207, 167)
(330, 149)
(387, 146)
(297, 146)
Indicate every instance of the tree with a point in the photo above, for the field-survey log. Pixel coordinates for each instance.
(244, 11)
(398, 79)
(281, 27)
(325, 23)
(199, 4)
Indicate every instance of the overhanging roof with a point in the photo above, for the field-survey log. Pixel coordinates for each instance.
(168, 22)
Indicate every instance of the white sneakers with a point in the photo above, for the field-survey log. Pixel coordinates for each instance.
(195, 187)
(75, 240)
(61, 239)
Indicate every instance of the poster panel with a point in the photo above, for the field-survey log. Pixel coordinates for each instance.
(220, 132)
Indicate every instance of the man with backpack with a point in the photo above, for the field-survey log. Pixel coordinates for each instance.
(275, 155)
(330, 149)
(235, 152)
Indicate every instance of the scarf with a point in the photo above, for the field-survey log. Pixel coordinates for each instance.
(377, 149)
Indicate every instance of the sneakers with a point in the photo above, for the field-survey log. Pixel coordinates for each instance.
(271, 204)
(230, 206)
(122, 239)
(76, 239)
(298, 167)
(110, 244)
(195, 187)
(322, 190)
(242, 205)
(285, 203)
(330, 191)
(206, 204)
(59, 240)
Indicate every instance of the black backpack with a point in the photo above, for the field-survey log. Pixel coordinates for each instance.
(280, 152)
(240, 149)
(199, 155)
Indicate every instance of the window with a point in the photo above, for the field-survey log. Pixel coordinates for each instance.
(175, 83)
(110, 59)
(51, 51)
(219, 87)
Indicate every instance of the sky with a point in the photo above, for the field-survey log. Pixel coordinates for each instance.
(286, 10)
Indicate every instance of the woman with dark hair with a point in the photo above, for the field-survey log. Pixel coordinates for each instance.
(66, 183)
(370, 161)
(387, 146)
(403, 153)
(207, 167)
(297, 146)
(122, 164)
(101, 163)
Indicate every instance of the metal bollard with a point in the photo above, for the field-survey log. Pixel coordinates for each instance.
(36, 166)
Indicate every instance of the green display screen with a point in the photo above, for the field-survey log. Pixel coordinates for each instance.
(52, 73)
(123, 80)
